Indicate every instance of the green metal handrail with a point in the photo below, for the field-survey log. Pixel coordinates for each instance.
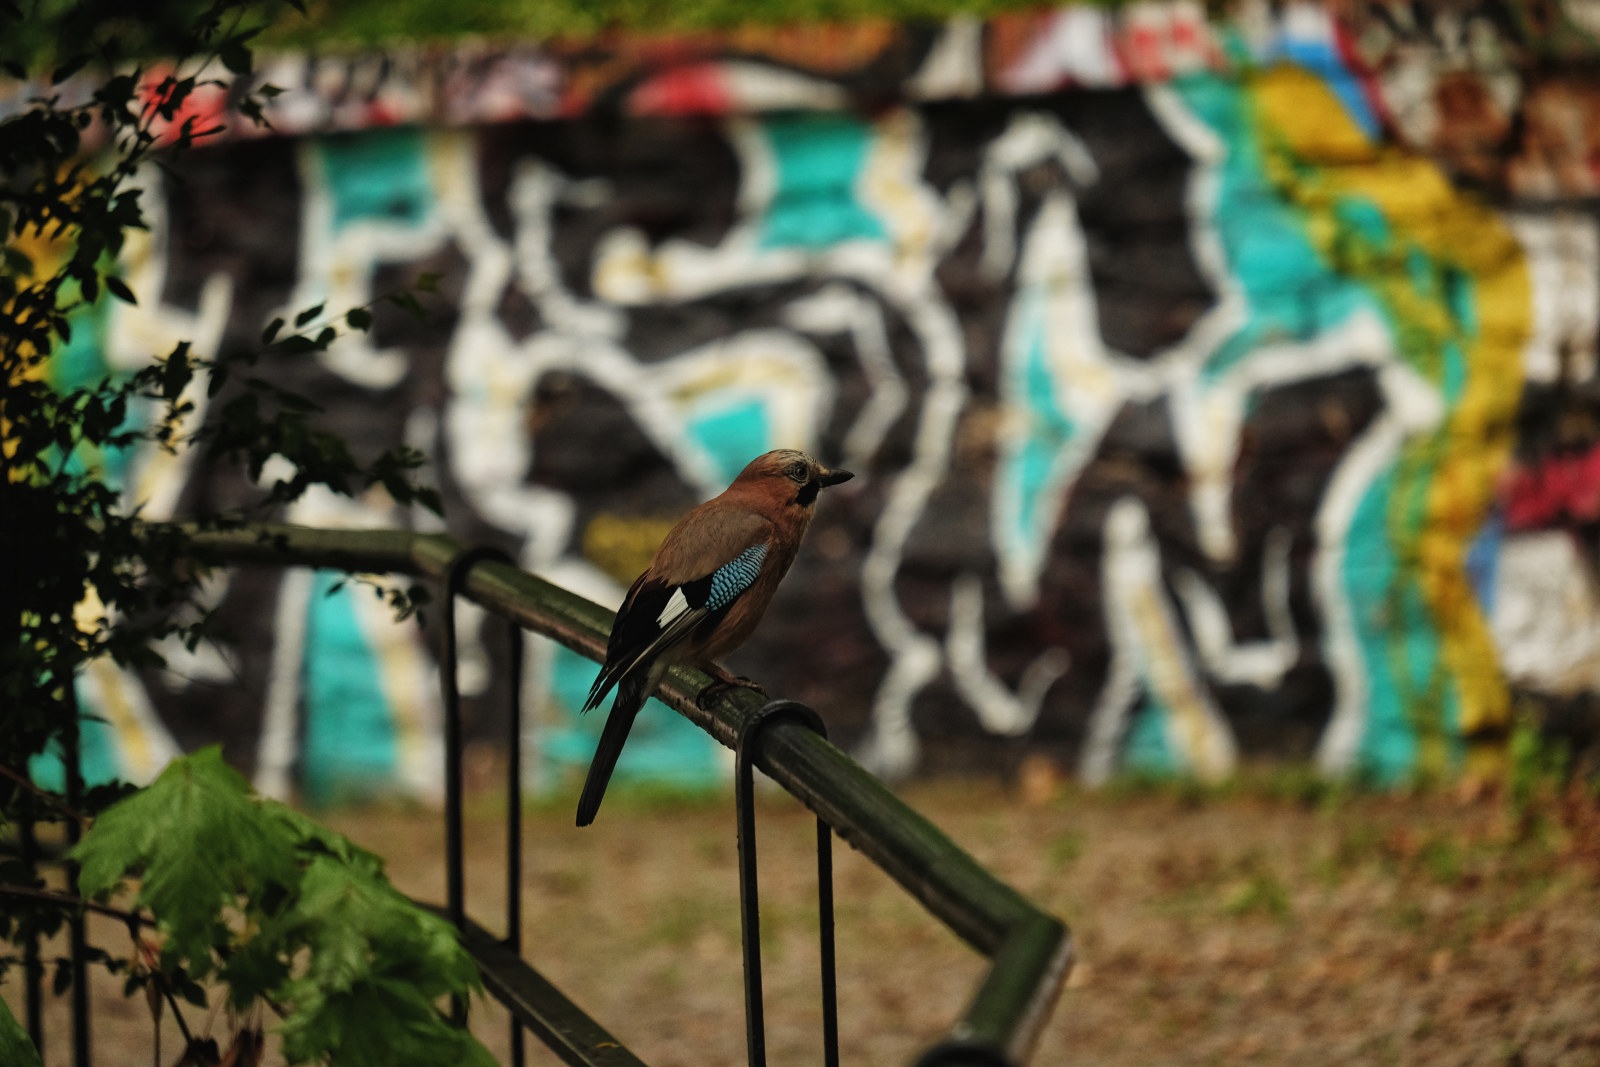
(1030, 951)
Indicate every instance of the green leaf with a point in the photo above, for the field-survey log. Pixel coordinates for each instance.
(307, 315)
(370, 964)
(408, 303)
(198, 837)
(235, 55)
(68, 69)
(17, 262)
(428, 283)
(359, 319)
(120, 290)
(296, 345)
(270, 334)
(382, 1023)
(176, 372)
(15, 1048)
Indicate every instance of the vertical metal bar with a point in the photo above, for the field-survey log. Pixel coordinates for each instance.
(750, 896)
(514, 823)
(32, 968)
(755, 1026)
(72, 758)
(455, 862)
(830, 986)
(451, 697)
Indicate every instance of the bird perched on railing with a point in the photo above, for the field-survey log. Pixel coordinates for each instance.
(703, 593)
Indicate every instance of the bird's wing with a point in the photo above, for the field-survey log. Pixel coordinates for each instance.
(659, 613)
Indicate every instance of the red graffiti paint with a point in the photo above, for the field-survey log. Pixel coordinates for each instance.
(1555, 491)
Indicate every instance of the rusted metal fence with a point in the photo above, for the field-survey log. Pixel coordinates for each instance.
(1029, 951)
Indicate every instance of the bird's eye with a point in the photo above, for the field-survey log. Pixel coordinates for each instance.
(797, 471)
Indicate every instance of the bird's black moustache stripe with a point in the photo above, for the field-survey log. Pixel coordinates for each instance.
(808, 494)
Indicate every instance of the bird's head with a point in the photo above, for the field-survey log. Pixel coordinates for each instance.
(793, 475)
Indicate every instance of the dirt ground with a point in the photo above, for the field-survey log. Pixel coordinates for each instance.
(1267, 925)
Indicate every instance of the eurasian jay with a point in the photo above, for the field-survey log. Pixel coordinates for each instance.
(703, 593)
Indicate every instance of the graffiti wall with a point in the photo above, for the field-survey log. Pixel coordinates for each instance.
(1219, 391)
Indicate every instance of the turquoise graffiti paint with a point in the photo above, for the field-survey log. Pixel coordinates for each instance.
(733, 434)
(377, 175)
(1031, 475)
(350, 743)
(663, 747)
(818, 159)
(1290, 292)
(1388, 747)
(98, 755)
(1147, 750)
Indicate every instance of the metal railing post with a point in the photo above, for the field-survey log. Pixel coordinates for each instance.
(750, 894)
(72, 760)
(513, 939)
(455, 887)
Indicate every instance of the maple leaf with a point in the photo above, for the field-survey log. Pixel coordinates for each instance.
(381, 1023)
(197, 839)
(15, 1048)
(376, 966)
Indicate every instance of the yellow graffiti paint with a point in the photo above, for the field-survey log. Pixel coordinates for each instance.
(1320, 158)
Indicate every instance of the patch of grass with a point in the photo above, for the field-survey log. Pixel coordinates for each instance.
(625, 798)
(1064, 851)
(1257, 890)
(1301, 786)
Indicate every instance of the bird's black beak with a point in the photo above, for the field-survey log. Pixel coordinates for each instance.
(828, 477)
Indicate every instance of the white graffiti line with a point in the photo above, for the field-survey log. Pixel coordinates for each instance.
(1030, 139)
(1261, 663)
(1074, 46)
(953, 67)
(277, 747)
(490, 375)
(1053, 308)
(1562, 249)
(137, 333)
(142, 743)
(156, 477)
(843, 309)
(409, 681)
(1145, 635)
(1413, 406)
(1546, 617)
(999, 709)
(537, 191)
(914, 656)
(337, 263)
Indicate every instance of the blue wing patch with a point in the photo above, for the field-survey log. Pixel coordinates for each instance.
(735, 576)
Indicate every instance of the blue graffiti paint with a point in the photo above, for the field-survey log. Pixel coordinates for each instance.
(378, 175)
(732, 435)
(663, 746)
(1483, 559)
(1321, 58)
(818, 158)
(350, 743)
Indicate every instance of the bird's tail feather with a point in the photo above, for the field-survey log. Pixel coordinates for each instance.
(631, 695)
